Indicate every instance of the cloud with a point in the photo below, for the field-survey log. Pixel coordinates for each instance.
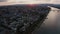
(3, 0)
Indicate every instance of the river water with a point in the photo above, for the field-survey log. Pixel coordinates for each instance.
(51, 25)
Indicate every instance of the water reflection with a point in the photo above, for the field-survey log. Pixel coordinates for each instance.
(50, 25)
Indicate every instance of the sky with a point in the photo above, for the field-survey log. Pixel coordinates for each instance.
(9, 2)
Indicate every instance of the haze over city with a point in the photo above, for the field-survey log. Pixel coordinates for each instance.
(10, 2)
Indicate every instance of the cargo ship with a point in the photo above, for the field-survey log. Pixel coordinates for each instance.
(21, 19)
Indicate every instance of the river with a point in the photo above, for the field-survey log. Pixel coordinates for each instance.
(51, 25)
